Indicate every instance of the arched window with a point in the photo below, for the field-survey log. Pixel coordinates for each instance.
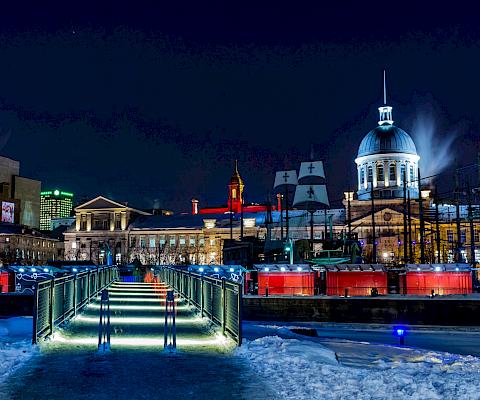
(370, 174)
(362, 175)
(234, 193)
(380, 175)
(402, 173)
(412, 174)
(392, 172)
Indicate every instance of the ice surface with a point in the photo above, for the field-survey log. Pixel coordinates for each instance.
(302, 368)
(15, 344)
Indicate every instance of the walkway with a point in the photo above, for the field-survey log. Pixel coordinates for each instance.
(69, 366)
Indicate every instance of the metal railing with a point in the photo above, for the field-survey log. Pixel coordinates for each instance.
(218, 299)
(59, 299)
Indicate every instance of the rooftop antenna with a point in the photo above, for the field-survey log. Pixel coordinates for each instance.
(384, 88)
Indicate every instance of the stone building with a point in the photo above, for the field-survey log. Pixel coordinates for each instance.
(22, 245)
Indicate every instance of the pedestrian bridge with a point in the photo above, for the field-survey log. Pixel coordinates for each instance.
(137, 319)
(138, 314)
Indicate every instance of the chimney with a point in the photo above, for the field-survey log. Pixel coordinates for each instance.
(194, 206)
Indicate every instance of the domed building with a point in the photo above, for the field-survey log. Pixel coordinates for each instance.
(386, 157)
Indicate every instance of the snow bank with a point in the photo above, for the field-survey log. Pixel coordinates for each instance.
(302, 369)
(15, 344)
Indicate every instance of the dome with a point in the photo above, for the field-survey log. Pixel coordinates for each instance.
(386, 138)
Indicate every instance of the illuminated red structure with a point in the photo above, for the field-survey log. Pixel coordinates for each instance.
(442, 280)
(356, 283)
(7, 282)
(360, 280)
(235, 199)
(286, 283)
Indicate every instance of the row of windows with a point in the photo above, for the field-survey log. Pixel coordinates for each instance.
(392, 173)
(27, 242)
(182, 240)
(463, 236)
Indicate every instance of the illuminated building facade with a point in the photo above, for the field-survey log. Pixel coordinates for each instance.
(26, 246)
(54, 204)
(19, 196)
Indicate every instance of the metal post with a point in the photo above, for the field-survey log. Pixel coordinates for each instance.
(374, 248)
(52, 299)
(170, 331)
(241, 216)
(224, 306)
(202, 303)
(104, 323)
(239, 308)
(458, 254)
(422, 222)
(349, 213)
(437, 225)
(279, 202)
(472, 230)
(35, 314)
(405, 233)
(410, 249)
(75, 295)
(286, 212)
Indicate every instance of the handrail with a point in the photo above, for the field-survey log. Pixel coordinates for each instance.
(218, 299)
(57, 300)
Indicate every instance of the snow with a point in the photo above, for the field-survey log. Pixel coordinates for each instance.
(304, 368)
(15, 344)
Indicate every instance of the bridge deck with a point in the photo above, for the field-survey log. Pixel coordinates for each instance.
(69, 366)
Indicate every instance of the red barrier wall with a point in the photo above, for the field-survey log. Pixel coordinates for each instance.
(358, 283)
(422, 283)
(6, 282)
(286, 283)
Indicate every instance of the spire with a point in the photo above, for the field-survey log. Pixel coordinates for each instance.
(235, 170)
(385, 111)
(384, 89)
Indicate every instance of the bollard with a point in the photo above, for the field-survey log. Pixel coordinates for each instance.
(346, 292)
(266, 291)
(104, 323)
(170, 330)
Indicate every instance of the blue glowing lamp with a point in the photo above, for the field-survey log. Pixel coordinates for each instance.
(400, 332)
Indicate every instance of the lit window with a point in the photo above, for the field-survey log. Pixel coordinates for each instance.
(450, 236)
(172, 240)
(391, 172)
(182, 240)
(201, 242)
(74, 245)
(152, 242)
(212, 242)
(380, 176)
(192, 241)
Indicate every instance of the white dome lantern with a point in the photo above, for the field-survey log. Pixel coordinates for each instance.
(386, 157)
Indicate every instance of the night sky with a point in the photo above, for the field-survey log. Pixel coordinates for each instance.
(151, 104)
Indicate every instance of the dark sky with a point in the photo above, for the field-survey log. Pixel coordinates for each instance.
(154, 102)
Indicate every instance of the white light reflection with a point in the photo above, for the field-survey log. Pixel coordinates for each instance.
(153, 290)
(141, 300)
(140, 320)
(218, 340)
(135, 307)
(136, 294)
